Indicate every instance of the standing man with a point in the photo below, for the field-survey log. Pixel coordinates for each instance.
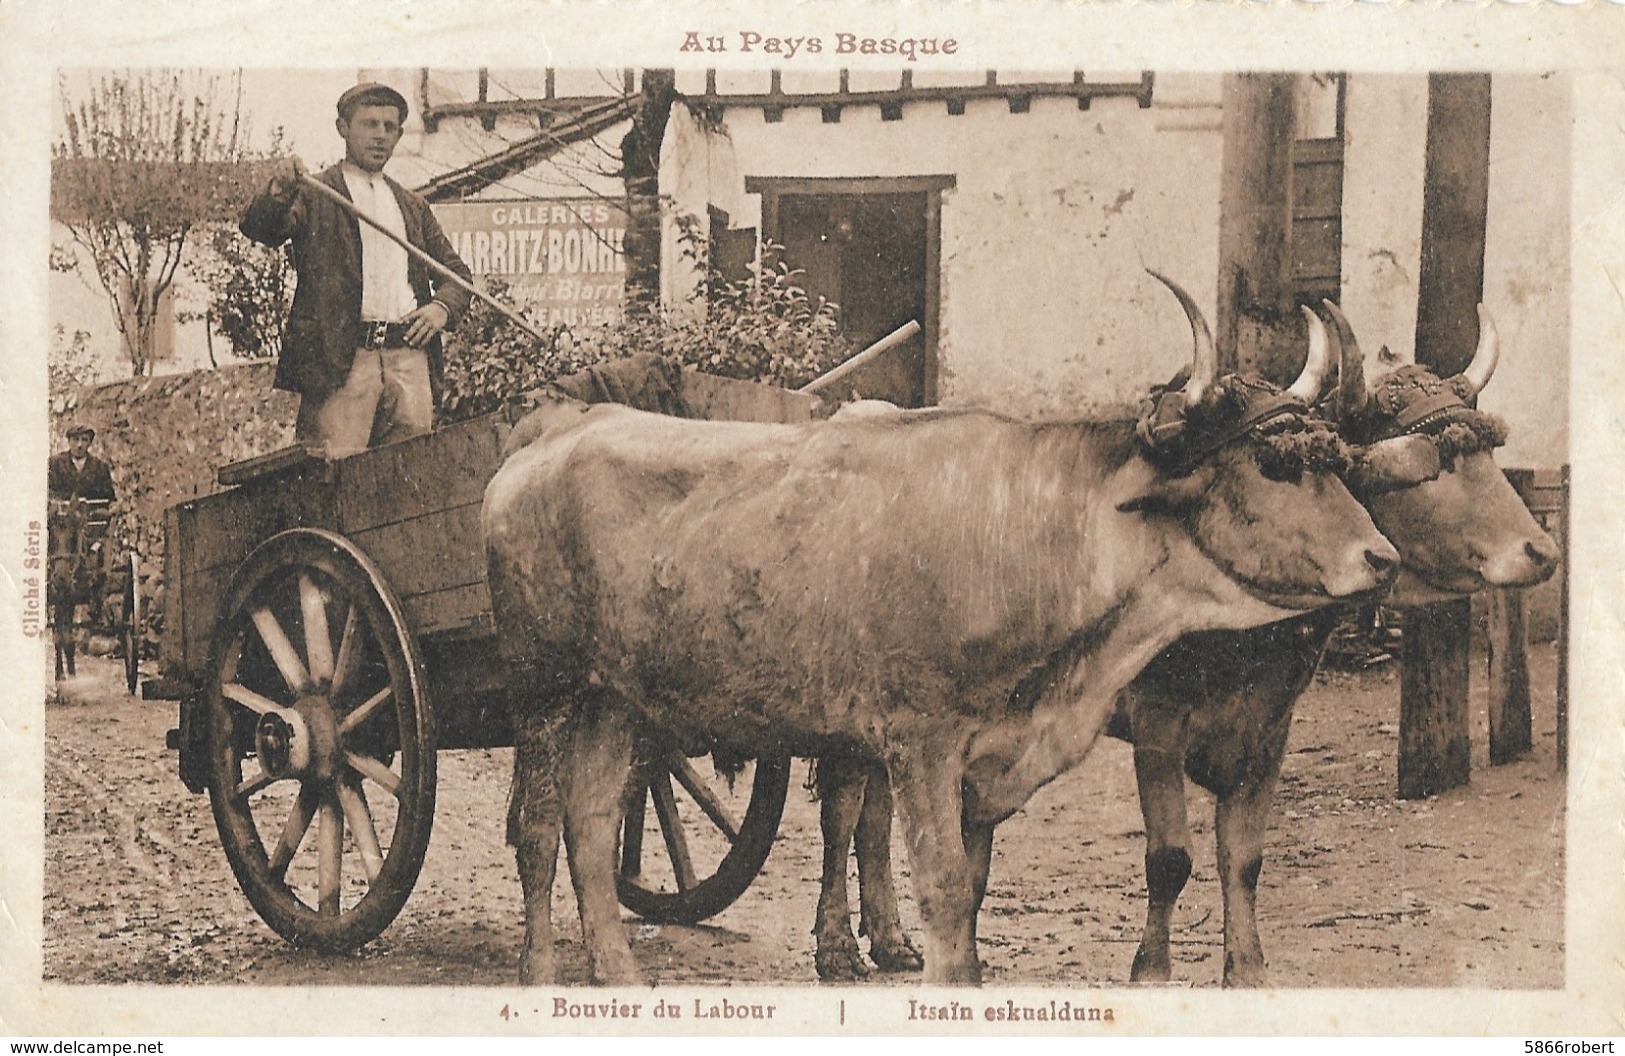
(362, 345)
(76, 473)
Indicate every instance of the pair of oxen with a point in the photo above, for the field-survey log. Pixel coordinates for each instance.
(949, 607)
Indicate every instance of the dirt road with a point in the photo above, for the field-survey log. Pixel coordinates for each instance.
(1358, 890)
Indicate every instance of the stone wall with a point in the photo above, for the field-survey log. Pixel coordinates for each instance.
(165, 437)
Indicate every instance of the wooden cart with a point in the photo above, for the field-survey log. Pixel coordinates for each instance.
(88, 567)
(329, 631)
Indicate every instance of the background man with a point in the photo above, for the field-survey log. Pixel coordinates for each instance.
(76, 473)
(77, 533)
(362, 344)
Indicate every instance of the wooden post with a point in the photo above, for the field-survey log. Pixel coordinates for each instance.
(1511, 722)
(1258, 327)
(1434, 742)
(640, 175)
(1563, 626)
(1455, 207)
(1433, 723)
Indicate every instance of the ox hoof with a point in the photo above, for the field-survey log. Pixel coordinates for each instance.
(536, 971)
(1242, 975)
(619, 975)
(895, 954)
(1246, 980)
(838, 960)
(1148, 969)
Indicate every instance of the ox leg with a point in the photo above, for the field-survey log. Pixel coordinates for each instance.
(1159, 773)
(978, 838)
(1240, 824)
(600, 764)
(929, 791)
(64, 639)
(841, 782)
(535, 816)
(889, 946)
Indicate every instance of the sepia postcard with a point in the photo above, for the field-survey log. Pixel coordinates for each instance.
(554, 519)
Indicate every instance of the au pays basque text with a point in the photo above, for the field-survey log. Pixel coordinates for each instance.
(910, 49)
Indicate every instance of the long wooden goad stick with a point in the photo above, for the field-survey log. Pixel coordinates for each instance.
(422, 257)
(885, 344)
(867, 356)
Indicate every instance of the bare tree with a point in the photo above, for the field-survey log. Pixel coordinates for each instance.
(143, 159)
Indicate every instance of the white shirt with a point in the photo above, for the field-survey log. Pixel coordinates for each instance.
(386, 293)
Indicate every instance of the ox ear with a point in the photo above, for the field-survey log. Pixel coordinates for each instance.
(1166, 496)
(1389, 465)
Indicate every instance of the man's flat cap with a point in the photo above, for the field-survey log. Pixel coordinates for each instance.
(372, 94)
(81, 430)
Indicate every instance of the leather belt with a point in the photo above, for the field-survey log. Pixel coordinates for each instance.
(383, 335)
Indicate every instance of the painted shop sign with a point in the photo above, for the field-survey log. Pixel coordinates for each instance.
(561, 256)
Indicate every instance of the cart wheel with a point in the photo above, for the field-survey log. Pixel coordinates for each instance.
(315, 675)
(729, 853)
(131, 625)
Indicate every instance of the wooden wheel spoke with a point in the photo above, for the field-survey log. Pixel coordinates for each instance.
(330, 856)
(671, 827)
(632, 833)
(707, 800)
(259, 782)
(327, 850)
(368, 706)
(371, 768)
(359, 817)
(318, 640)
(281, 649)
(241, 694)
(349, 650)
(293, 832)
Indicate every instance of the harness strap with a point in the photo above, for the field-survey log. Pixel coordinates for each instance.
(1263, 409)
(1164, 422)
(1419, 411)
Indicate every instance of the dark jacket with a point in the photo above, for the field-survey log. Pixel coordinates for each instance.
(324, 325)
(62, 481)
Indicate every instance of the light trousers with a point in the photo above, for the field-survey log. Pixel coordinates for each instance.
(385, 398)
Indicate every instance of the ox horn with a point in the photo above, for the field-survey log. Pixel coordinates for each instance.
(1485, 357)
(1351, 391)
(1204, 358)
(1307, 387)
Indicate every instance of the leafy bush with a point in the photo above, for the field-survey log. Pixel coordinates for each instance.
(249, 290)
(70, 368)
(763, 327)
(489, 360)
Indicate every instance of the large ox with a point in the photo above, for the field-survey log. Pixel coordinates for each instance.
(1217, 705)
(956, 594)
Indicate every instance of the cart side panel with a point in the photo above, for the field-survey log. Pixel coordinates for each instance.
(727, 399)
(213, 535)
(461, 610)
(436, 471)
(414, 507)
(435, 564)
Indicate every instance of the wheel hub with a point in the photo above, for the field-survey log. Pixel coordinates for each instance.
(282, 744)
(301, 741)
